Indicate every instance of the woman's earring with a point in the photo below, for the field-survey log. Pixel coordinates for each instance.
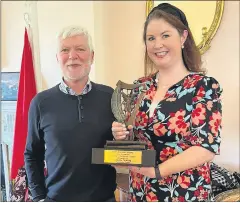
(182, 46)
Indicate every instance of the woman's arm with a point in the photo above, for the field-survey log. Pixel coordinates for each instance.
(190, 158)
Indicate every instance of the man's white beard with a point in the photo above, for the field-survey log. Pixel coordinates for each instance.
(68, 77)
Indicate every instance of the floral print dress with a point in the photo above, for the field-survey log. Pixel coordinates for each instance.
(189, 115)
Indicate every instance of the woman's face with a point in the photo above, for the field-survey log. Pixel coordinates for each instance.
(164, 43)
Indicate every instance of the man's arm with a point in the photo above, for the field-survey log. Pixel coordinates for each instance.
(34, 154)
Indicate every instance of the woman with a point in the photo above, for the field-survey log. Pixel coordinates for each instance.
(179, 117)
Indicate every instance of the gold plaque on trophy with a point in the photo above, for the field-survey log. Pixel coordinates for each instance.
(123, 157)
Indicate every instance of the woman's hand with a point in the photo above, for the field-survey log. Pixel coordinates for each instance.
(119, 131)
(146, 171)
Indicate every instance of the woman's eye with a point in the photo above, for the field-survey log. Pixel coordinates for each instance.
(150, 38)
(165, 36)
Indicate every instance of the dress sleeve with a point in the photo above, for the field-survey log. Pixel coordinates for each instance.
(206, 115)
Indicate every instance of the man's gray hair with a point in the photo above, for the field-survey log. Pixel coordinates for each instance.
(72, 31)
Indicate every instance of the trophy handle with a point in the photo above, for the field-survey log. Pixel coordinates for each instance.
(123, 85)
(117, 105)
(116, 108)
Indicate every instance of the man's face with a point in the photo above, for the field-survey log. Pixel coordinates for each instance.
(75, 58)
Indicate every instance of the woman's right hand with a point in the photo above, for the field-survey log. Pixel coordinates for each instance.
(119, 130)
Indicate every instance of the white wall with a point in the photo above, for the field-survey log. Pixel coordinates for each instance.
(119, 44)
(12, 35)
(47, 18)
(52, 16)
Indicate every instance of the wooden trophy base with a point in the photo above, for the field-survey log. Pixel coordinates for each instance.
(130, 153)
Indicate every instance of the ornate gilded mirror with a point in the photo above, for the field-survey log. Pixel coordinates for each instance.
(204, 18)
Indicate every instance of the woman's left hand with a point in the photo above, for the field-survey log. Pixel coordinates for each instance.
(146, 171)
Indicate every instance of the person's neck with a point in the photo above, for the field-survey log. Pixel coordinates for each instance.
(171, 75)
(76, 85)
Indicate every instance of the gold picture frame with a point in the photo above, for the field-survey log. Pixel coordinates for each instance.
(206, 35)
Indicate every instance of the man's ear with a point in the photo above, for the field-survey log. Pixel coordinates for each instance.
(92, 56)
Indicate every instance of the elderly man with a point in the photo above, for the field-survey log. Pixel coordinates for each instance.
(65, 123)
